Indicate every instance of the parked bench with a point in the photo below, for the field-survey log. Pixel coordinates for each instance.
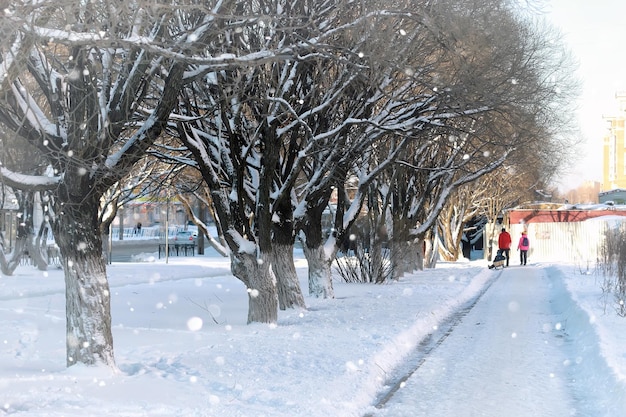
(178, 249)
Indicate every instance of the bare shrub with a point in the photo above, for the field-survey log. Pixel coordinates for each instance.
(612, 266)
(361, 265)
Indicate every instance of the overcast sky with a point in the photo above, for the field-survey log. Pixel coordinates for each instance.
(595, 33)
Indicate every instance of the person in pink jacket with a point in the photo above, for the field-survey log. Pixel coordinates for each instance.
(522, 246)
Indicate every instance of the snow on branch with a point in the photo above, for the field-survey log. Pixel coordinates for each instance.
(208, 63)
(28, 182)
(75, 38)
(492, 166)
(114, 159)
(355, 23)
(8, 60)
(33, 113)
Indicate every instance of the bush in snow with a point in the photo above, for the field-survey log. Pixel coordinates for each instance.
(612, 264)
(360, 264)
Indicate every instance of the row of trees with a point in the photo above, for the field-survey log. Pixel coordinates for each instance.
(395, 109)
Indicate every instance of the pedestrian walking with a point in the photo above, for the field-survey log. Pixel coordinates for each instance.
(504, 244)
(523, 246)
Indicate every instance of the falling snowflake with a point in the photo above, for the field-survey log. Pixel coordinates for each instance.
(194, 324)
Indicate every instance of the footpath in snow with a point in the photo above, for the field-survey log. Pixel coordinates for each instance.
(183, 347)
(525, 349)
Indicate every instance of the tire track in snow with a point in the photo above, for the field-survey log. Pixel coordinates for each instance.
(431, 342)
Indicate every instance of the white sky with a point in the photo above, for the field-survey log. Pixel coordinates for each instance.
(595, 33)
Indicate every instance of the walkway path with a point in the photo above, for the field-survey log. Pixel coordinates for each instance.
(506, 358)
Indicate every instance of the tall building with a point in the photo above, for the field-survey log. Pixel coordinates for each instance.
(614, 153)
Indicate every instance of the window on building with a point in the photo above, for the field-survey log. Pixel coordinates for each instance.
(612, 158)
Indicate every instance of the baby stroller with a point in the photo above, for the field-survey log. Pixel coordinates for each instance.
(498, 261)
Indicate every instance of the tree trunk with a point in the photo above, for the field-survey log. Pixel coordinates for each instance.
(288, 286)
(36, 256)
(259, 279)
(406, 256)
(376, 261)
(39, 248)
(400, 248)
(400, 255)
(492, 240)
(8, 265)
(419, 257)
(289, 291)
(376, 235)
(320, 274)
(416, 255)
(87, 296)
(396, 258)
(88, 313)
(449, 229)
(319, 260)
(431, 252)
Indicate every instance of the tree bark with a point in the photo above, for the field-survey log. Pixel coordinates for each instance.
(376, 260)
(320, 274)
(288, 286)
(8, 265)
(289, 291)
(399, 250)
(259, 279)
(430, 251)
(88, 313)
(376, 234)
(39, 248)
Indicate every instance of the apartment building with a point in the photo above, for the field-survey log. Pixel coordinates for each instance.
(614, 152)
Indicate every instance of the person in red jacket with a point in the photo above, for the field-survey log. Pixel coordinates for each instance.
(523, 246)
(504, 244)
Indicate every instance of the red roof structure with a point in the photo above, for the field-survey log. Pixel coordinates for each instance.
(566, 213)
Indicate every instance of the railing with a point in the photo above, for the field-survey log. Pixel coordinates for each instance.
(151, 232)
(51, 252)
(129, 233)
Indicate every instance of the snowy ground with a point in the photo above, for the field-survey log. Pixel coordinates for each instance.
(524, 350)
(183, 347)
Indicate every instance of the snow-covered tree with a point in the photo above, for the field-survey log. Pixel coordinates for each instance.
(388, 104)
(461, 208)
(92, 85)
(282, 102)
(248, 144)
(504, 97)
(527, 168)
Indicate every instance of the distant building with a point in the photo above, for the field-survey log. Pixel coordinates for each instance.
(616, 196)
(614, 151)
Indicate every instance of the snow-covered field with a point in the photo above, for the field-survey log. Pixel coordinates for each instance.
(183, 347)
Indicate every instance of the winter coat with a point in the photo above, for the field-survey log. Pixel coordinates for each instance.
(521, 245)
(504, 240)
